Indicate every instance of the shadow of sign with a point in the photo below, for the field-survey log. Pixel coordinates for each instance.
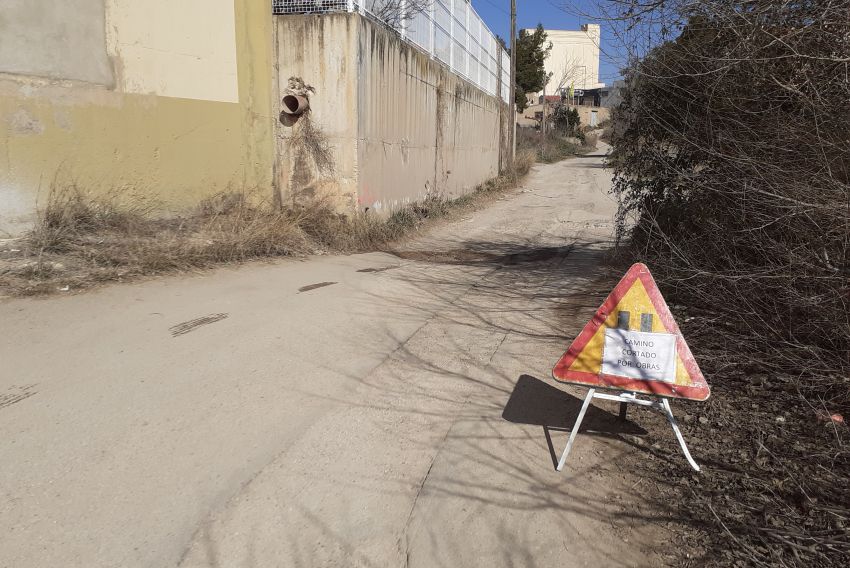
(537, 403)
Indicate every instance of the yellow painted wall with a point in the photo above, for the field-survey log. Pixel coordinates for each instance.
(177, 150)
(183, 49)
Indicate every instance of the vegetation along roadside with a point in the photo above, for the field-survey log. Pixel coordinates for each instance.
(732, 167)
(82, 239)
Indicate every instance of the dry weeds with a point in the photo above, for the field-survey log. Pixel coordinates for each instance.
(83, 240)
(553, 147)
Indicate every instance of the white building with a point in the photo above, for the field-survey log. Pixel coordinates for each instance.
(573, 60)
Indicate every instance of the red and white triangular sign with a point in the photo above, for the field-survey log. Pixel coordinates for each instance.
(634, 344)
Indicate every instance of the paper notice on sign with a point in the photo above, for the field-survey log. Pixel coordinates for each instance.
(639, 355)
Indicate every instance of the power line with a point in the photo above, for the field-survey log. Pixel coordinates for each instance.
(499, 8)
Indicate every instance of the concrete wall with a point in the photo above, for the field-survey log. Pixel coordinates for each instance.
(323, 51)
(401, 125)
(55, 39)
(184, 109)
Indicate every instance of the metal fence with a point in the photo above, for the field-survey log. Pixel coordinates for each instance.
(451, 31)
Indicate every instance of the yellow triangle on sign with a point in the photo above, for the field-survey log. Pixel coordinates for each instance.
(638, 295)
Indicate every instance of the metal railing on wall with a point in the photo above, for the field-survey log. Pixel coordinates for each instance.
(451, 31)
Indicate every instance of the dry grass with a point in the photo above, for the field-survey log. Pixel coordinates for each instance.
(82, 240)
(553, 147)
(310, 140)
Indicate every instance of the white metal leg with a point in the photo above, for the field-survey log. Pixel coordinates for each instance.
(672, 420)
(574, 433)
(629, 398)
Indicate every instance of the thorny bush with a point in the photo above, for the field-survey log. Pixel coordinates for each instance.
(732, 161)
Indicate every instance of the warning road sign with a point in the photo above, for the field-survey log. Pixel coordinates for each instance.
(634, 344)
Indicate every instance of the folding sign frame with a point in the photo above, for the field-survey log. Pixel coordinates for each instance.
(627, 398)
(582, 364)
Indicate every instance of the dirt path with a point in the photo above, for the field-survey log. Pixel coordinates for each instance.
(369, 410)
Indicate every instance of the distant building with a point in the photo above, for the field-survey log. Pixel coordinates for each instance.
(612, 96)
(573, 65)
(573, 62)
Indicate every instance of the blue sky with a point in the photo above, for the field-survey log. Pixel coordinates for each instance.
(496, 14)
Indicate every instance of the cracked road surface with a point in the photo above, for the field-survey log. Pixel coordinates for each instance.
(367, 410)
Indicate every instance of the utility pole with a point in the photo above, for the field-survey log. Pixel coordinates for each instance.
(543, 124)
(513, 82)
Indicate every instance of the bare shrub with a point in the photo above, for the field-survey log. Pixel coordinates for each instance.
(548, 148)
(732, 148)
(523, 161)
(311, 140)
(732, 165)
(397, 13)
(70, 212)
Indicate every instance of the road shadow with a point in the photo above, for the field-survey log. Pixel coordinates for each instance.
(537, 403)
(585, 156)
(480, 299)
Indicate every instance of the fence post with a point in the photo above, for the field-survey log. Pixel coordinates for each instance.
(432, 37)
(452, 34)
(466, 38)
(349, 7)
(404, 20)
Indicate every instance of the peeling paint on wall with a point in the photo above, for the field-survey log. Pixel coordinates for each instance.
(23, 123)
(16, 207)
(55, 39)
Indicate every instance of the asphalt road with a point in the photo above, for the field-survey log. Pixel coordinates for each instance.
(366, 410)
